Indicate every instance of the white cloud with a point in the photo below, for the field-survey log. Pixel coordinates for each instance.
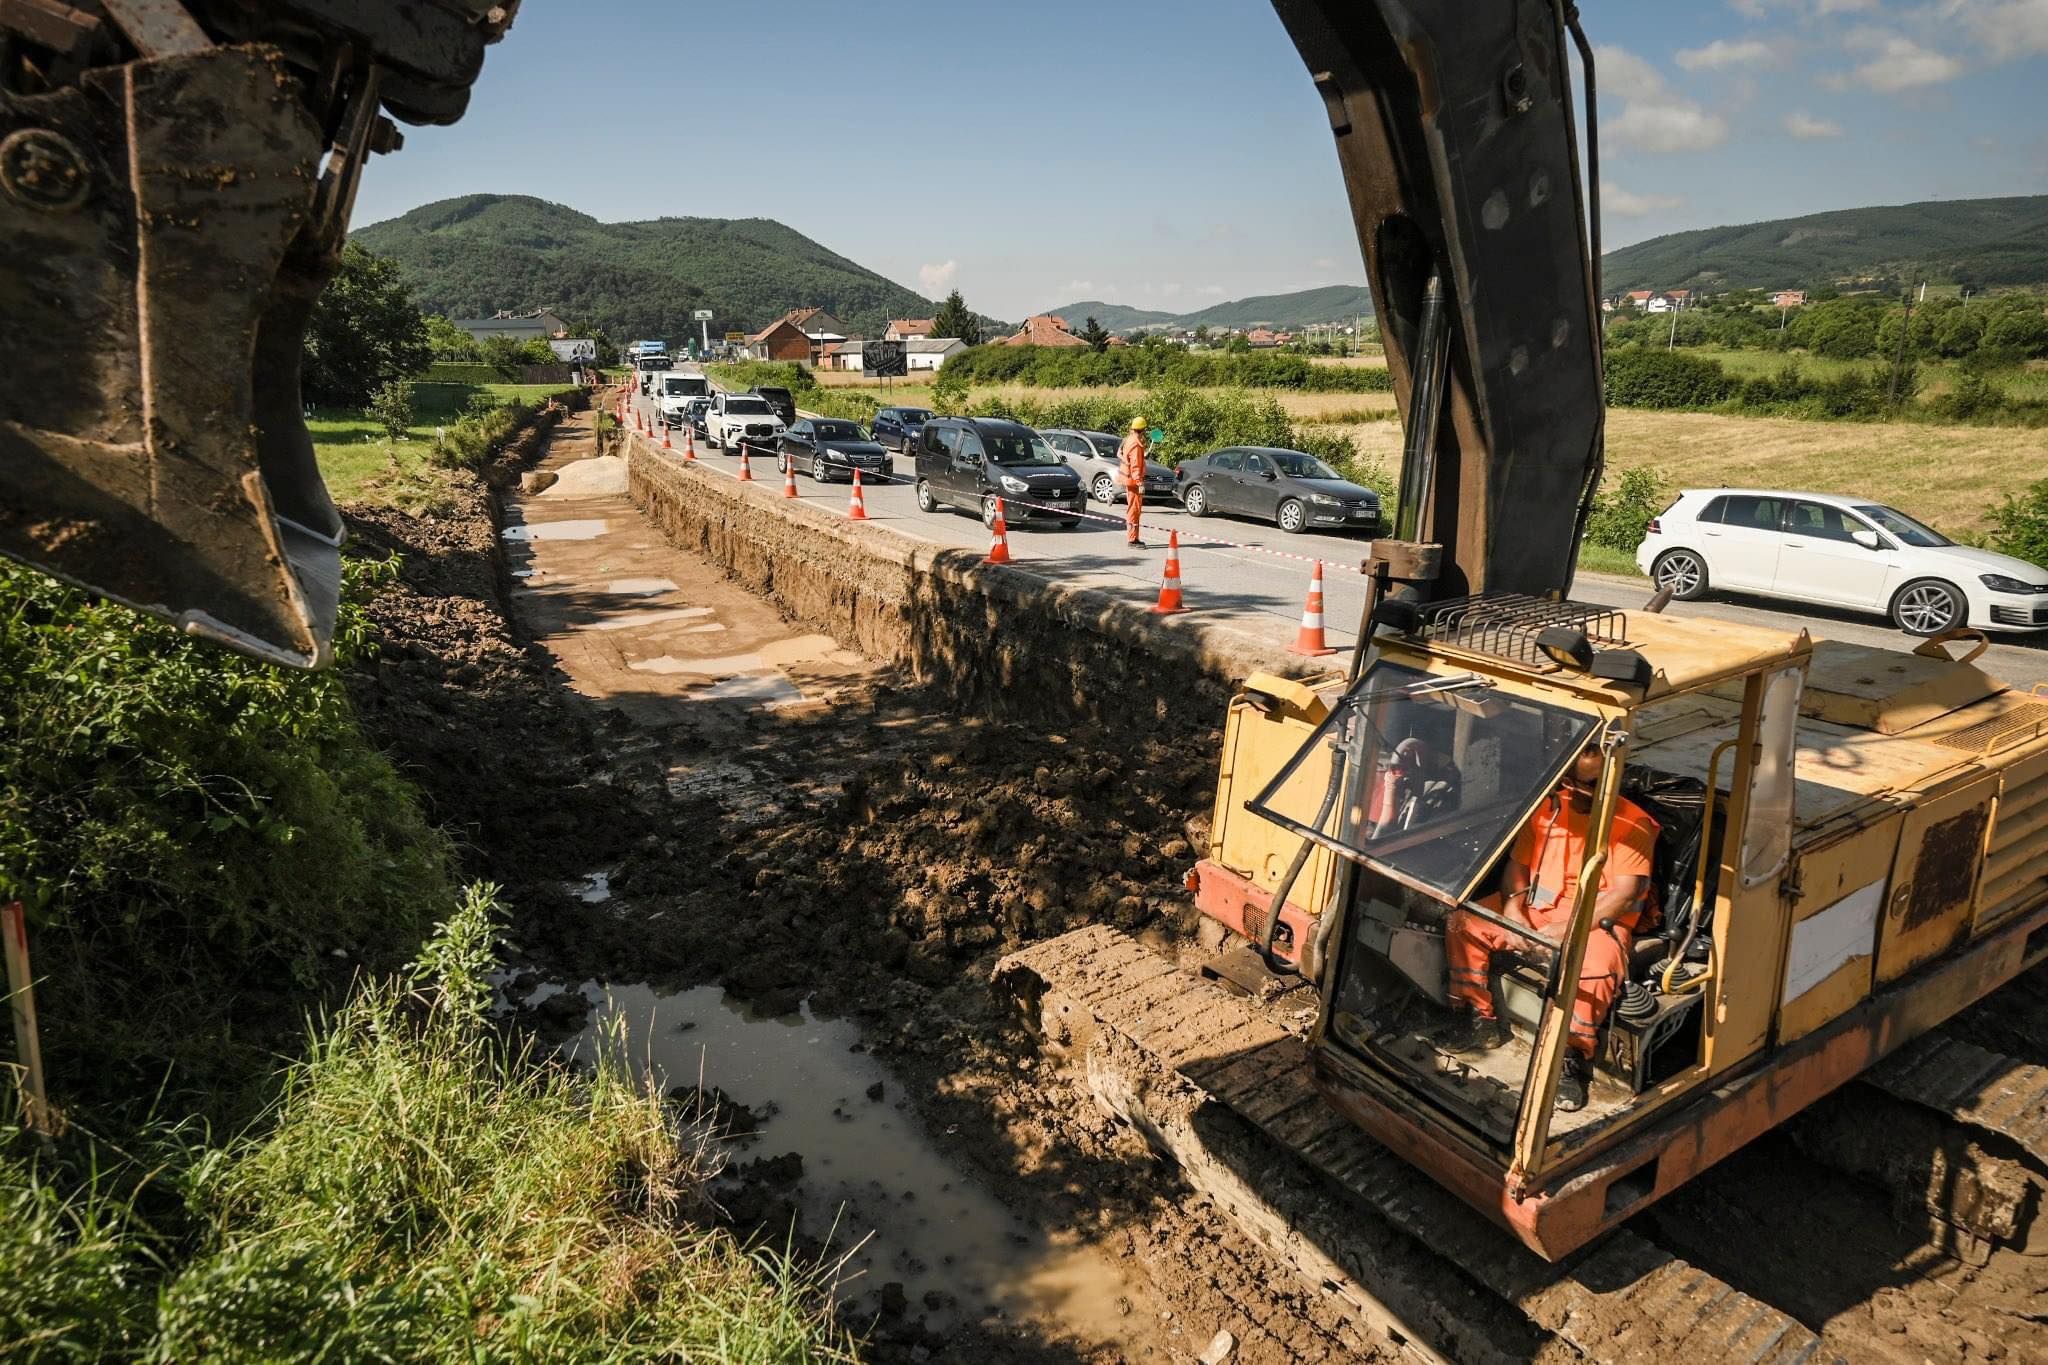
(2006, 28)
(1723, 53)
(1628, 204)
(1896, 63)
(1653, 117)
(1323, 263)
(1075, 289)
(937, 279)
(1214, 291)
(1844, 6)
(1806, 127)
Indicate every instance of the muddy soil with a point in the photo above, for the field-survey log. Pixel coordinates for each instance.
(874, 857)
(872, 852)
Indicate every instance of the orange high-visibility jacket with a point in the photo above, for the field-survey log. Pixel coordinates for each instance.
(1132, 454)
(1552, 845)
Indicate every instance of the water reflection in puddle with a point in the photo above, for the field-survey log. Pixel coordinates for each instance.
(868, 1167)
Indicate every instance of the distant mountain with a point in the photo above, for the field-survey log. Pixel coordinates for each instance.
(1976, 242)
(473, 256)
(1113, 316)
(1282, 312)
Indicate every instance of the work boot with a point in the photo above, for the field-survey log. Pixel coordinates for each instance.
(1571, 1086)
(1474, 1033)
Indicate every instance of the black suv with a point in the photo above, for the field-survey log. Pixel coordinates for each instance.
(970, 462)
(779, 402)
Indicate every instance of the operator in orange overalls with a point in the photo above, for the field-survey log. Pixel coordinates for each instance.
(1538, 887)
(1132, 456)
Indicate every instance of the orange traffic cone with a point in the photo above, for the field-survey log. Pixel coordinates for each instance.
(1309, 639)
(689, 445)
(1169, 586)
(746, 465)
(788, 477)
(999, 545)
(666, 443)
(856, 510)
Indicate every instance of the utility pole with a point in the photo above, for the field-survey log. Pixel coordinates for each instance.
(1899, 356)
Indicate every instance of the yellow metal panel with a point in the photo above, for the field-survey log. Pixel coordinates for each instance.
(2016, 851)
(1888, 690)
(1934, 878)
(1256, 746)
(1831, 956)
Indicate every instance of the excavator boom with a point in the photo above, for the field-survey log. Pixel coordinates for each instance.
(1456, 132)
(175, 185)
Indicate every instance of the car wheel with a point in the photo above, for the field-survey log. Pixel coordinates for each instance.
(925, 501)
(817, 469)
(989, 503)
(1928, 606)
(1682, 572)
(1103, 489)
(1291, 515)
(1195, 501)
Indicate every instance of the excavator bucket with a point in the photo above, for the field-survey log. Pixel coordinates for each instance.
(175, 185)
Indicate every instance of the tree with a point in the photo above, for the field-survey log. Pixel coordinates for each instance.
(1201, 334)
(954, 320)
(365, 331)
(391, 408)
(448, 342)
(2018, 326)
(1095, 336)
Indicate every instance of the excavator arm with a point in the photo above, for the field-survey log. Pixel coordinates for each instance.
(176, 178)
(1455, 128)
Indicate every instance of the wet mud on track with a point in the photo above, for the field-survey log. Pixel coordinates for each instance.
(785, 831)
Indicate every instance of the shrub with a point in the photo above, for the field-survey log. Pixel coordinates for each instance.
(391, 409)
(1643, 377)
(2020, 524)
(1621, 515)
(1074, 367)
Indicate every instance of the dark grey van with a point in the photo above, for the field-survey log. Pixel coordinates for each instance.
(969, 462)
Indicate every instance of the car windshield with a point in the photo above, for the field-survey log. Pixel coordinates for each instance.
(1425, 777)
(748, 407)
(1018, 448)
(1296, 465)
(1907, 530)
(840, 431)
(1105, 446)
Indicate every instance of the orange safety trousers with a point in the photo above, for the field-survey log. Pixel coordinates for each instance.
(1470, 943)
(1134, 508)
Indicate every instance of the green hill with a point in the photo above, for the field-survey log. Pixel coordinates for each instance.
(1113, 316)
(1974, 242)
(472, 256)
(1284, 312)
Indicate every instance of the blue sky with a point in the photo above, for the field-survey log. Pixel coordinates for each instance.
(1171, 155)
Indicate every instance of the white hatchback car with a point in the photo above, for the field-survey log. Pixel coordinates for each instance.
(1845, 552)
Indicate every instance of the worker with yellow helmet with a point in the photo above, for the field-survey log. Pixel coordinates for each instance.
(1132, 456)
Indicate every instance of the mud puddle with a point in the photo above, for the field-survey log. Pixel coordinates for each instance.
(919, 1235)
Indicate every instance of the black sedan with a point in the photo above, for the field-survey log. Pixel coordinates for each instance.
(832, 449)
(695, 417)
(1292, 490)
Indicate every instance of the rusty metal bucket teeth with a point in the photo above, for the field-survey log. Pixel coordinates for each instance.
(175, 185)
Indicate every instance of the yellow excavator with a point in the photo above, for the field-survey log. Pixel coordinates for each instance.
(1851, 843)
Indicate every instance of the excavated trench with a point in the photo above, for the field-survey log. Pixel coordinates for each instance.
(776, 805)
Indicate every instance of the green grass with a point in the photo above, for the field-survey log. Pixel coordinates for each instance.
(1606, 559)
(424, 1190)
(359, 462)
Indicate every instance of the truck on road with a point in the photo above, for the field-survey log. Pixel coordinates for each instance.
(676, 389)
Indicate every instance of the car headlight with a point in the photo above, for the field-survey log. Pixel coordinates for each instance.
(1998, 582)
(1325, 500)
(1011, 485)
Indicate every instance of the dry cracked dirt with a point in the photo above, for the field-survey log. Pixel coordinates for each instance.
(678, 789)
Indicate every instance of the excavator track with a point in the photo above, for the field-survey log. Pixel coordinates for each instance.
(1188, 1064)
(1973, 1086)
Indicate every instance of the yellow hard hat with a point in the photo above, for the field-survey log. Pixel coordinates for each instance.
(1137, 424)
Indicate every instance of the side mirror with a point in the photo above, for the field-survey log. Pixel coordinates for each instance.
(1268, 475)
(1867, 539)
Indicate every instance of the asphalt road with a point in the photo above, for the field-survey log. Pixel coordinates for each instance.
(1256, 576)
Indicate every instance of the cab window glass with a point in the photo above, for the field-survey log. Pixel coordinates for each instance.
(1713, 510)
(1753, 512)
(968, 446)
(1257, 465)
(1228, 459)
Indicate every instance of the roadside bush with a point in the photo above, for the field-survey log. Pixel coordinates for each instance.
(2020, 525)
(195, 830)
(483, 429)
(1074, 367)
(391, 409)
(747, 374)
(1621, 514)
(1642, 377)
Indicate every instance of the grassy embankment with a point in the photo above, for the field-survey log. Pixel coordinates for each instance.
(359, 461)
(214, 855)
